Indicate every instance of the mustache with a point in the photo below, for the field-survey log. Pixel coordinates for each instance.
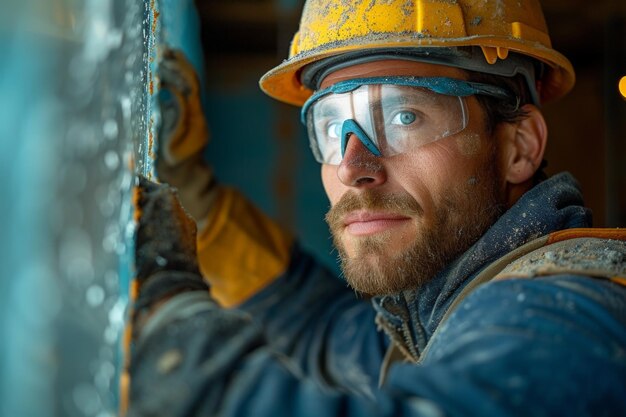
(351, 201)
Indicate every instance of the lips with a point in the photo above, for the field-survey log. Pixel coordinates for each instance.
(362, 223)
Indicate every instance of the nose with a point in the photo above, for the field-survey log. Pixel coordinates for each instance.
(359, 167)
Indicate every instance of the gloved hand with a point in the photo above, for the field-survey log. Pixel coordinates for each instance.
(165, 248)
(166, 267)
(241, 250)
(184, 344)
(183, 135)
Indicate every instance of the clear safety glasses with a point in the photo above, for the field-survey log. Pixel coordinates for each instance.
(389, 115)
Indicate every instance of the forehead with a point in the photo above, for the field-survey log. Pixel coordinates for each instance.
(392, 67)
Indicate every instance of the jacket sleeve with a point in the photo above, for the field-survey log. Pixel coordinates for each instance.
(328, 332)
(553, 346)
(546, 346)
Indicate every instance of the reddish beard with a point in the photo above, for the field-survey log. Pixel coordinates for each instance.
(374, 269)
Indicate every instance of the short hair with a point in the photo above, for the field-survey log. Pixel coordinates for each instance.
(497, 111)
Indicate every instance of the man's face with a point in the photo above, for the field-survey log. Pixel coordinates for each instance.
(396, 221)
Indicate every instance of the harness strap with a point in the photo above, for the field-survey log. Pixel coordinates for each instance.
(600, 258)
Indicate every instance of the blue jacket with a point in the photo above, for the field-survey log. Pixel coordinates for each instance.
(307, 346)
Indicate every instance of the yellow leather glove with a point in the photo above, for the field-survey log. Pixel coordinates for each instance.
(183, 135)
(240, 249)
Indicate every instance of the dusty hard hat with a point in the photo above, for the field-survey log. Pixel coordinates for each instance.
(340, 31)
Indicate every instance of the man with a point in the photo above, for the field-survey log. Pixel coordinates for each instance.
(491, 298)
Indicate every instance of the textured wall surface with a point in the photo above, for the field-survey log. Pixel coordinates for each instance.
(75, 123)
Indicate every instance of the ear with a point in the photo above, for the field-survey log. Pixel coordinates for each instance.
(526, 145)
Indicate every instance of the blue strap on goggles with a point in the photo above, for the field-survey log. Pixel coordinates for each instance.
(441, 85)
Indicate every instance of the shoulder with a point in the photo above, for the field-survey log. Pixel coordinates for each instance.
(572, 318)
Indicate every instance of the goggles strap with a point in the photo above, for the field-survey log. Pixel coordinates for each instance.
(349, 127)
(467, 58)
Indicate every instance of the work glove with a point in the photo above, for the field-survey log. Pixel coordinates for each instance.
(165, 249)
(186, 349)
(183, 136)
(241, 250)
(166, 266)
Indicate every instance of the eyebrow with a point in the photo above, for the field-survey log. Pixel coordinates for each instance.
(402, 96)
(327, 111)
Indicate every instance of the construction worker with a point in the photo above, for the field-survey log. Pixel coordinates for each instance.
(475, 286)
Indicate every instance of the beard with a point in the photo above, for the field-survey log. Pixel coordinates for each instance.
(459, 221)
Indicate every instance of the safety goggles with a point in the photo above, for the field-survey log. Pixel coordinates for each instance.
(389, 115)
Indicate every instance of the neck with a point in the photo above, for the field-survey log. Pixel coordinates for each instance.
(515, 191)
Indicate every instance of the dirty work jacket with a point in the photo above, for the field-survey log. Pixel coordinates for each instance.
(307, 346)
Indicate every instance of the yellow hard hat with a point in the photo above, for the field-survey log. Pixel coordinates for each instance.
(331, 29)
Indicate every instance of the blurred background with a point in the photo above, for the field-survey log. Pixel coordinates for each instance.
(77, 121)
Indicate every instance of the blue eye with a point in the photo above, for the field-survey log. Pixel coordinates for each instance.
(333, 130)
(404, 118)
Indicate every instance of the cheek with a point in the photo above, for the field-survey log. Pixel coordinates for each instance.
(463, 157)
(469, 144)
(421, 175)
(331, 183)
(435, 162)
(444, 166)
